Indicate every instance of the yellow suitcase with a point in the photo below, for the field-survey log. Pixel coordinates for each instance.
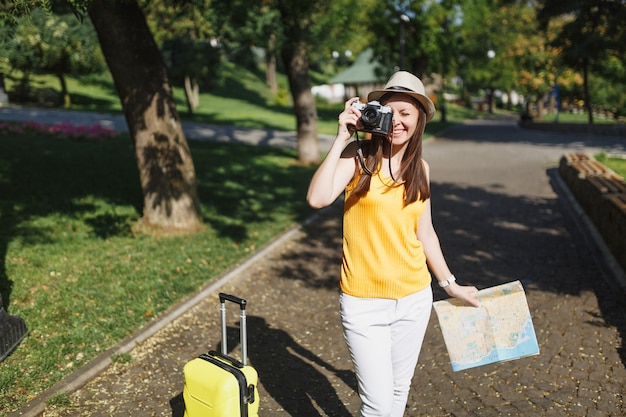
(217, 385)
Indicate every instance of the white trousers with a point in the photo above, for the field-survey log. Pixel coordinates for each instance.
(384, 338)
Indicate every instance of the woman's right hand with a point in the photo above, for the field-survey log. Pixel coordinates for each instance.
(339, 165)
(349, 120)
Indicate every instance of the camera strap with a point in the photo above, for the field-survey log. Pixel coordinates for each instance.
(359, 152)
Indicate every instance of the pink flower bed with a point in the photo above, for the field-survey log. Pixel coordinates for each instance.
(62, 130)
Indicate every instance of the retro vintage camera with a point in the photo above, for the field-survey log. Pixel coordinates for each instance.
(376, 118)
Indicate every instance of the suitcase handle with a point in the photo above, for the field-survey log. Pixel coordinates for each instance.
(243, 331)
(242, 303)
(234, 362)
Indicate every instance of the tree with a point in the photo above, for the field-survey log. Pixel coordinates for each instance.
(244, 25)
(447, 17)
(295, 50)
(306, 28)
(592, 33)
(396, 26)
(300, 32)
(164, 160)
(483, 47)
(44, 42)
(166, 169)
(418, 36)
(284, 26)
(612, 93)
(191, 63)
(538, 68)
(185, 32)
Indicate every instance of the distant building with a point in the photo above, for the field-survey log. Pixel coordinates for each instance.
(360, 78)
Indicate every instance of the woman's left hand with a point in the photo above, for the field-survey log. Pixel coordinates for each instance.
(465, 293)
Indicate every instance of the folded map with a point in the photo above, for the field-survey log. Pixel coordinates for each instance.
(501, 329)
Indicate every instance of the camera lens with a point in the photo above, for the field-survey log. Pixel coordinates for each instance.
(370, 116)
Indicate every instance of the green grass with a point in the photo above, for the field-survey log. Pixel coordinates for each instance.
(77, 274)
(240, 98)
(582, 117)
(60, 400)
(616, 164)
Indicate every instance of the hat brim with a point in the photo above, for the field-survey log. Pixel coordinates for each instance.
(429, 106)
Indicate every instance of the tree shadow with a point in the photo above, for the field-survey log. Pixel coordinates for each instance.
(92, 103)
(316, 258)
(42, 176)
(240, 185)
(290, 375)
(288, 372)
(488, 238)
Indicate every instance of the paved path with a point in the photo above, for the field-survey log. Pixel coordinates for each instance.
(193, 130)
(501, 216)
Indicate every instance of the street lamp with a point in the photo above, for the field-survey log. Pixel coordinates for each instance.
(490, 54)
(338, 57)
(403, 19)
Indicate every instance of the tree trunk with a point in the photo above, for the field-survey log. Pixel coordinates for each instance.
(540, 107)
(295, 59)
(270, 64)
(587, 93)
(65, 96)
(490, 100)
(166, 170)
(23, 91)
(295, 56)
(192, 93)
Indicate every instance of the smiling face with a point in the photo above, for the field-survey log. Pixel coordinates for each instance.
(405, 118)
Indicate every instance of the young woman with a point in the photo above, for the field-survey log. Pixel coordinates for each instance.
(390, 245)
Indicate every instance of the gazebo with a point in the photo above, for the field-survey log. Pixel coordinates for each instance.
(360, 77)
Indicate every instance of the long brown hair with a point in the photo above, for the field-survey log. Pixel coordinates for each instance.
(412, 169)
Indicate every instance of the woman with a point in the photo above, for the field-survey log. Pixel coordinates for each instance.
(389, 242)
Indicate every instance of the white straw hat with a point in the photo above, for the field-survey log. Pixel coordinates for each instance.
(406, 83)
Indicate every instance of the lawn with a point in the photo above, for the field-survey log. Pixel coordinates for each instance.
(617, 164)
(78, 273)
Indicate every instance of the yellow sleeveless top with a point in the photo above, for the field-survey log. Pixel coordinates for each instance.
(382, 257)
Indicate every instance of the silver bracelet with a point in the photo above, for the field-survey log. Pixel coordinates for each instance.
(444, 284)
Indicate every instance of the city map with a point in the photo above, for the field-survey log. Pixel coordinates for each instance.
(501, 329)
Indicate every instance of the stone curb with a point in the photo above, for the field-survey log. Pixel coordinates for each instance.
(616, 276)
(601, 193)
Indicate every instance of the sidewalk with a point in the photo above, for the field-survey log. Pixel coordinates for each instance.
(501, 215)
(193, 130)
